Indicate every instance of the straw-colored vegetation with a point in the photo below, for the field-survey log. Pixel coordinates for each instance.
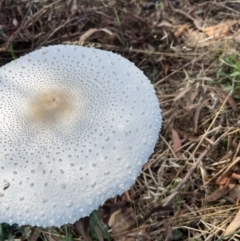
(189, 49)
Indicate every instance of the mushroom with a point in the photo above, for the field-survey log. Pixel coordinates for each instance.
(76, 126)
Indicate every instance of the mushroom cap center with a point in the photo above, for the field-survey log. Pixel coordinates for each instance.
(50, 106)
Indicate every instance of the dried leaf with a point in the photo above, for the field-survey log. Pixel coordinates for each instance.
(234, 162)
(220, 30)
(128, 196)
(165, 23)
(234, 193)
(109, 208)
(121, 220)
(234, 225)
(80, 227)
(15, 22)
(223, 180)
(203, 173)
(230, 100)
(35, 234)
(121, 223)
(221, 192)
(90, 32)
(235, 176)
(176, 143)
(179, 31)
(166, 69)
(190, 97)
(198, 23)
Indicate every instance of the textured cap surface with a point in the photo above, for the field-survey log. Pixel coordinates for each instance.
(76, 126)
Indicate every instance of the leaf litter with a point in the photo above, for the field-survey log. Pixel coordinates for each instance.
(179, 46)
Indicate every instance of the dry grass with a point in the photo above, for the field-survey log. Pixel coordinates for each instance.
(200, 133)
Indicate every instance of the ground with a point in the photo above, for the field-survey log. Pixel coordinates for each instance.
(189, 49)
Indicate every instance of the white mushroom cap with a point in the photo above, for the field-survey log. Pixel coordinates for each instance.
(76, 126)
